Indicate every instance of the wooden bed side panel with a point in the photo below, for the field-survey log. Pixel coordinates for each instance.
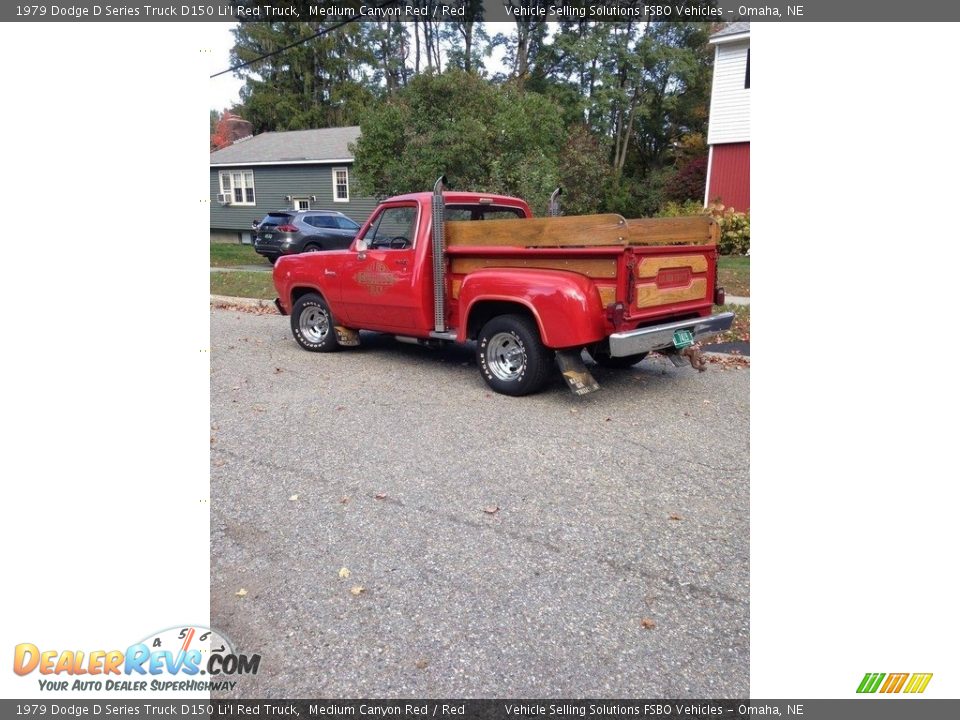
(572, 230)
(591, 267)
(582, 231)
(692, 230)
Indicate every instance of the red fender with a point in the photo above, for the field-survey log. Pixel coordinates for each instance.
(566, 305)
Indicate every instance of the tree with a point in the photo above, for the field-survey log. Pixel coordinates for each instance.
(323, 82)
(584, 172)
(483, 137)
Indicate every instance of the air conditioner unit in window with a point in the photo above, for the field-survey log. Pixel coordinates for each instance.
(224, 198)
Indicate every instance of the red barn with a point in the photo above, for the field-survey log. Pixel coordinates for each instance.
(728, 165)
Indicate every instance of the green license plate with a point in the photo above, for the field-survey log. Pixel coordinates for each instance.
(682, 339)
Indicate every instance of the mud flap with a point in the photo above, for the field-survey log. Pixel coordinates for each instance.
(347, 337)
(578, 378)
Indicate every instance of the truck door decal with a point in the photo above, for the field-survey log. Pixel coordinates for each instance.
(377, 280)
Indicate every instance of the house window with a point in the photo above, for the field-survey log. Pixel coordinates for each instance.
(746, 79)
(238, 184)
(341, 185)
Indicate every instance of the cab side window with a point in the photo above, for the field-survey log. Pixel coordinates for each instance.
(393, 229)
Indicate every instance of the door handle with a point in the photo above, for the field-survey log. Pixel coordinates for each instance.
(402, 261)
(329, 273)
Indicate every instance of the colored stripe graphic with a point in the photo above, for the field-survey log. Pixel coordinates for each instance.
(918, 683)
(894, 682)
(870, 682)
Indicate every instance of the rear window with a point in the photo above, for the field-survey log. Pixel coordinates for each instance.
(481, 212)
(274, 219)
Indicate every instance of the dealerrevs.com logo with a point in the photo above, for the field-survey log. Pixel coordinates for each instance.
(182, 659)
(894, 683)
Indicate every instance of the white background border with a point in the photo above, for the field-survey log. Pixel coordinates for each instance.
(855, 256)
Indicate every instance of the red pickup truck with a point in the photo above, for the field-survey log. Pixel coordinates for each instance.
(440, 267)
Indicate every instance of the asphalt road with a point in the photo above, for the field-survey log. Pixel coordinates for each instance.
(616, 564)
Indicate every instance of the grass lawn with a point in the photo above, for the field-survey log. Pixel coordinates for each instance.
(741, 324)
(243, 284)
(234, 255)
(735, 274)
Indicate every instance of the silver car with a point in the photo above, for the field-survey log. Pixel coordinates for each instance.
(287, 232)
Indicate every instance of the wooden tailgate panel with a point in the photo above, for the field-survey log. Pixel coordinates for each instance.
(667, 279)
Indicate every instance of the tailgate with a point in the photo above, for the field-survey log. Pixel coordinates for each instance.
(670, 279)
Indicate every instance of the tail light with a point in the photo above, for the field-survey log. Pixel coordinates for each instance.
(287, 228)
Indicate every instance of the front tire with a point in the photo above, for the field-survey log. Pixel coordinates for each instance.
(313, 324)
(511, 356)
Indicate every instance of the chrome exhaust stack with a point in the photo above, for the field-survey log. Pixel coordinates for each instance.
(439, 264)
(553, 209)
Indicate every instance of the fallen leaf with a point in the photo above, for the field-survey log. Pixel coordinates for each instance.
(357, 589)
(241, 593)
(294, 497)
(344, 500)
(491, 510)
(344, 573)
(647, 624)
(674, 516)
(277, 370)
(380, 496)
(421, 664)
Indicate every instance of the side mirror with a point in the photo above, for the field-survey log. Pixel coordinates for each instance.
(361, 245)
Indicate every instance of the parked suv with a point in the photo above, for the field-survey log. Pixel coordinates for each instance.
(287, 232)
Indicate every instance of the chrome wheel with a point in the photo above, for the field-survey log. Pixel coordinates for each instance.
(506, 357)
(314, 324)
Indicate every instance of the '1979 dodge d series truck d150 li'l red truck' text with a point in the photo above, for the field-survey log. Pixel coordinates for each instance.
(441, 267)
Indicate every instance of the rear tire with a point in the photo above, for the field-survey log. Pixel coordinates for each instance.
(511, 356)
(313, 324)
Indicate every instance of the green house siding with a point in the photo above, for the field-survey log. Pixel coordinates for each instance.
(272, 184)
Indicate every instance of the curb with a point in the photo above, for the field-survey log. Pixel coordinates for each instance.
(246, 302)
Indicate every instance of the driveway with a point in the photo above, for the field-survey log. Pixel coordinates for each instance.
(547, 546)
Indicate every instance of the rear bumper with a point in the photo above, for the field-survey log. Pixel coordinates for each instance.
(276, 247)
(660, 337)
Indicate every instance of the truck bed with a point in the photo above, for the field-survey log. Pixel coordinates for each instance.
(654, 267)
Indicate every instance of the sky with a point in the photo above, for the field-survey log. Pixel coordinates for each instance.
(224, 90)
